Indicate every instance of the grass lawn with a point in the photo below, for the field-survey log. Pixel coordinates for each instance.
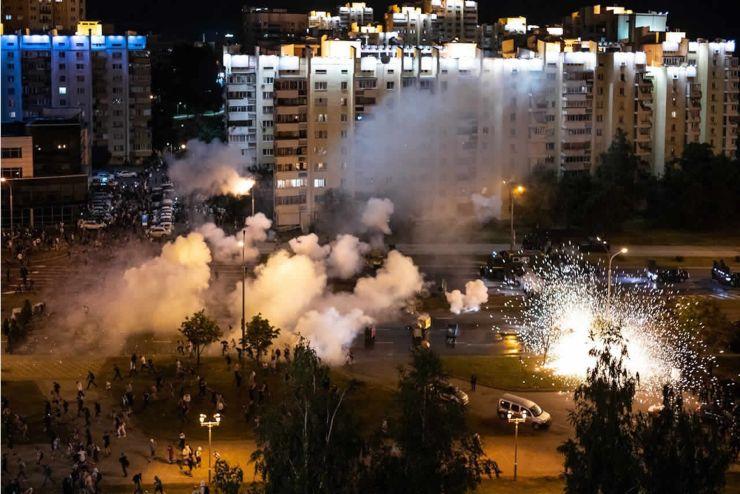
(505, 372)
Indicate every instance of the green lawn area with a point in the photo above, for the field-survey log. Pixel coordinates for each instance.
(505, 372)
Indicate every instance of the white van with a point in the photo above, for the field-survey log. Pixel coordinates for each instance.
(516, 405)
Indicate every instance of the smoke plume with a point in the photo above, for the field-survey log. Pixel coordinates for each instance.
(377, 215)
(476, 293)
(210, 168)
(347, 256)
(486, 208)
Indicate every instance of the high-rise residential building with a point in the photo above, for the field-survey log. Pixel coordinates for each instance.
(104, 79)
(457, 20)
(613, 23)
(42, 15)
(455, 118)
(437, 21)
(267, 27)
(355, 13)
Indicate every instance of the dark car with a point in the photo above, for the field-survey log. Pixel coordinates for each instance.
(722, 273)
(662, 276)
(593, 244)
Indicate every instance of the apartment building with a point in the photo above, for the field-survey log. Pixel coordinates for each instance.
(612, 23)
(453, 122)
(267, 28)
(355, 13)
(42, 15)
(437, 21)
(104, 79)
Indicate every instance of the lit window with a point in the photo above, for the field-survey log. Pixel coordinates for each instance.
(62, 90)
(319, 183)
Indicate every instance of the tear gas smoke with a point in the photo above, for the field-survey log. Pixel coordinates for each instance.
(347, 256)
(291, 291)
(210, 168)
(308, 245)
(486, 208)
(229, 247)
(376, 216)
(476, 293)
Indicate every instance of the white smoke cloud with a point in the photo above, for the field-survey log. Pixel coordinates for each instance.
(331, 333)
(308, 245)
(476, 293)
(229, 247)
(291, 291)
(376, 216)
(486, 208)
(347, 256)
(210, 168)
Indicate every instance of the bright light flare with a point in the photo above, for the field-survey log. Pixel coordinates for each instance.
(565, 311)
(241, 186)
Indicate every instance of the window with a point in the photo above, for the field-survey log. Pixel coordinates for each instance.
(343, 117)
(62, 90)
(236, 94)
(367, 83)
(322, 117)
(269, 80)
(344, 133)
(319, 183)
(320, 86)
(321, 134)
(344, 85)
(80, 56)
(12, 153)
(320, 166)
(81, 66)
(267, 152)
(267, 94)
(291, 183)
(390, 85)
(267, 110)
(320, 71)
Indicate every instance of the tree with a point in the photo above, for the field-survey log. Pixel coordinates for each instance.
(259, 336)
(434, 450)
(679, 451)
(705, 318)
(228, 479)
(601, 457)
(538, 206)
(201, 331)
(307, 439)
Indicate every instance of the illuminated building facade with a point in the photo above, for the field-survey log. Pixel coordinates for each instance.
(106, 80)
(42, 15)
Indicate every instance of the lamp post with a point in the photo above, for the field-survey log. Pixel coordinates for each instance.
(518, 418)
(623, 250)
(244, 283)
(514, 189)
(210, 424)
(10, 187)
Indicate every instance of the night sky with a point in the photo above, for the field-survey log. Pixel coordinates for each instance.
(700, 18)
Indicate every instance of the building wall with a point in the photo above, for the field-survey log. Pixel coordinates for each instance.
(42, 15)
(17, 157)
(487, 119)
(107, 79)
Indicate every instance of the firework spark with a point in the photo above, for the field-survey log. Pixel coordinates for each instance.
(565, 311)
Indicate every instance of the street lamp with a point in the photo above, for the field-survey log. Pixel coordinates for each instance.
(623, 250)
(518, 418)
(210, 424)
(244, 285)
(514, 189)
(10, 187)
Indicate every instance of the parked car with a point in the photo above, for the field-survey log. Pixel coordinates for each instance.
(661, 276)
(158, 231)
(593, 244)
(126, 174)
(722, 273)
(516, 405)
(91, 224)
(453, 393)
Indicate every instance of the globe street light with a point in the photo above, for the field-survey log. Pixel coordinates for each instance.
(210, 424)
(516, 418)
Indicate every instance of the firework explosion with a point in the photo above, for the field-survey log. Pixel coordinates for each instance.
(565, 315)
